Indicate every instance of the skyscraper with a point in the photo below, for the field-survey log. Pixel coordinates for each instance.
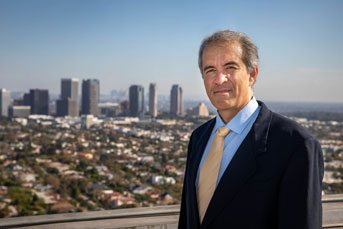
(39, 101)
(70, 89)
(136, 98)
(90, 96)
(176, 100)
(5, 100)
(68, 104)
(67, 107)
(153, 100)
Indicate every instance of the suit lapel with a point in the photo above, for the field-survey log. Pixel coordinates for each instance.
(241, 167)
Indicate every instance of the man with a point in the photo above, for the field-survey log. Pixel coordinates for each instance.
(248, 167)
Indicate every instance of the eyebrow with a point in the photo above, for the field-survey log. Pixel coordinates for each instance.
(231, 63)
(228, 63)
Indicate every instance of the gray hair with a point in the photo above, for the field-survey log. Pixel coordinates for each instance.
(249, 49)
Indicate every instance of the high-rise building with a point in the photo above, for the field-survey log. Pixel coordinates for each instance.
(67, 107)
(27, 99)
(153, 100)
(176, 100)
(90, 96)
(5, 100)
(68, 104)
(200, 110)
(136, 98)
(39, 101)
(70, 89)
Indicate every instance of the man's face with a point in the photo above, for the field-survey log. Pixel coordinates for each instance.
(227, 82)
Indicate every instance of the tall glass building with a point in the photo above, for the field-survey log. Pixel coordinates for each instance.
(136, 98)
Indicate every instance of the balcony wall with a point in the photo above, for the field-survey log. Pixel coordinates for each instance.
(160, 217)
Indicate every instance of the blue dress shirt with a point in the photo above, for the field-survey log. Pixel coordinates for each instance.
(240, 126)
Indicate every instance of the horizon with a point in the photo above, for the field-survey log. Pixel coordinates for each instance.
(143, 42)
(189, 98)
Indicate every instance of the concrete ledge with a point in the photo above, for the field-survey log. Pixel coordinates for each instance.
(333, 215)
(160, 222)
(127, 213)
(165, 217)
(332, 198)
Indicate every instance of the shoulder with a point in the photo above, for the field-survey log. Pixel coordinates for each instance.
(278, 128)
(297, 143)
(289, 129)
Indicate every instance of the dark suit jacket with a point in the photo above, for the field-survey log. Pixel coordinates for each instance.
(273, 181)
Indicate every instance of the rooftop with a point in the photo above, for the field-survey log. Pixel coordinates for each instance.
(143, 218)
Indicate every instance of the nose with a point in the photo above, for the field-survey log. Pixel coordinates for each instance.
(220, 78)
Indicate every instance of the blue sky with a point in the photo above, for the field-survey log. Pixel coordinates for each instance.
(139, 41)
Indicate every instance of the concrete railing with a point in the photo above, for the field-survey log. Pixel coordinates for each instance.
(158, 217)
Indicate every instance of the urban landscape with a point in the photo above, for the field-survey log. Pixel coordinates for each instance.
(78, 155)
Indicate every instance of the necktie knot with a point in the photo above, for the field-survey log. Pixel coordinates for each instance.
(223, 131)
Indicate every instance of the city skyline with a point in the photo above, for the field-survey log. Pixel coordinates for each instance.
(122, 44)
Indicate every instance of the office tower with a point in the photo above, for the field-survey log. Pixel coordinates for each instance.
(68, 104)
(19, 111)
(176, 100)
(70, 89)
(200, 110)
(136, 98)
(39, 101)
(27, 99)
(90, 96)
(5, 100)
(153, 100)
(67, 107)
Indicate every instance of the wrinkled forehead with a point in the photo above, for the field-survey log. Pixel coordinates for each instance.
(226, 48)
(226, 45)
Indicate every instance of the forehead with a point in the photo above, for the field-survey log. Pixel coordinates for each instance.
(223, 50)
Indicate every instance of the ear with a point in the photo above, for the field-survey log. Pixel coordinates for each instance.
(253, 76)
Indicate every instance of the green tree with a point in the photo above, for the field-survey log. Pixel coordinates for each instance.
(26, 202)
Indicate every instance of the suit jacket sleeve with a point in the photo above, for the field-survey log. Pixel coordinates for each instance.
(299, 204)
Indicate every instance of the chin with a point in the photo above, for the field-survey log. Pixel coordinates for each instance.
(223, 105)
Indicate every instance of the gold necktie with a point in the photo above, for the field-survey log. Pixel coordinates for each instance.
(209, 171)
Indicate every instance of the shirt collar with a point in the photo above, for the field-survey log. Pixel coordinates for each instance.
(241, 119)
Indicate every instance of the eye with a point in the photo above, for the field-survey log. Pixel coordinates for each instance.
(230, 67)
(209, 71)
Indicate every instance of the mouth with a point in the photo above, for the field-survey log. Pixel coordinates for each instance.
(221, 91)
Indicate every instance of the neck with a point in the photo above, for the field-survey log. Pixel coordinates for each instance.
(228, 114)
